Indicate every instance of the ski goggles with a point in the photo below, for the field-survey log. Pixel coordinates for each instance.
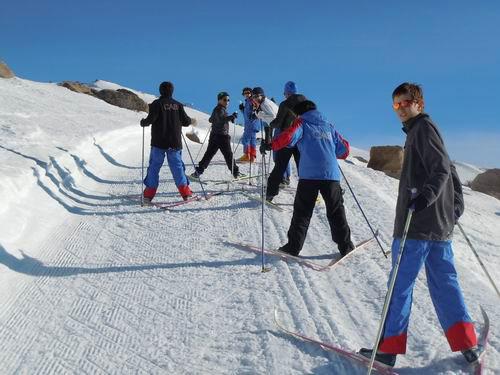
(403, 104)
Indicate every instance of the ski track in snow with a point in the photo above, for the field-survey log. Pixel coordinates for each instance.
(105, 286)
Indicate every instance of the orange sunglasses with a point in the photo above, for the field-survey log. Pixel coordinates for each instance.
(403, 104)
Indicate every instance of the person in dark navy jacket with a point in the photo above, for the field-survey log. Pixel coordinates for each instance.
(320, 145)
(219, 138)
(168, 117)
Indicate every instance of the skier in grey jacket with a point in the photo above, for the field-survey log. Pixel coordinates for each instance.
(437, 207)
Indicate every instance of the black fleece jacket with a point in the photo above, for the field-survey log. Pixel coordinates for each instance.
(167, 116)
(428, 168)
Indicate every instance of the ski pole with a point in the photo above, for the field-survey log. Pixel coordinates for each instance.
(375, 234)
(204, 140)
(392, 282)
(478, 259)
(194, 166)
(250, 172)
(232, 158)
(262, 198)
(142, 169)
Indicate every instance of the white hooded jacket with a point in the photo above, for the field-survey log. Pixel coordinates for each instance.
(267, 111)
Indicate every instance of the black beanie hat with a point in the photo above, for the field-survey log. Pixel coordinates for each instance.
(258, 91)
(245, 89)
(221, 95)
(304, 107)
(166, 89)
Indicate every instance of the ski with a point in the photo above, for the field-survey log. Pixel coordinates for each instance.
(305, 262)
(355, 357)
(167, 205)
(482, 343)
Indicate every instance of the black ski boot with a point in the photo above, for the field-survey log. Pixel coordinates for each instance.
(384, 358)
(346, 249)
(473, 354)
(286, 249)
(196, 174)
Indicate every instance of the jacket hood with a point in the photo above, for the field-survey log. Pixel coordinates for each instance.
(408, 125)
(314, 117)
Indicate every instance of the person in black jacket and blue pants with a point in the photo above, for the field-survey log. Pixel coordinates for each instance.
(168, 117)
(437, 207)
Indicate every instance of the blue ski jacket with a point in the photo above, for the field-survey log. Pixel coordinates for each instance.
(319, 144)
(251, 122)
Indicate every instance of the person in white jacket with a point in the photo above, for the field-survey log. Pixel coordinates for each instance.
(264, 109)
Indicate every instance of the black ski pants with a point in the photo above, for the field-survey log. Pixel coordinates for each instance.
(303, 206)
(218, 142)
(280, 163)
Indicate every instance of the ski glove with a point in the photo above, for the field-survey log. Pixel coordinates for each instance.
(265, 147)
(242, 107)
(144, 123)
(418, 203)
(233, 116)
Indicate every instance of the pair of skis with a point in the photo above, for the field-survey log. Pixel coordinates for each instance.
(477, 368)
(169, 205)
(304, 261)
(220, 182)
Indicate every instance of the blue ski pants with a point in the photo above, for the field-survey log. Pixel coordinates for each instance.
(175, 163)
(446, 295)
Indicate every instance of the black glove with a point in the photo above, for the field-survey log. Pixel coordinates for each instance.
(418, 203)
(265, 147)
(235, 114)
(242, 107)
(458, 212)
(144, 123)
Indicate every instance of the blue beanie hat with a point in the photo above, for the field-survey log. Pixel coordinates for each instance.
(290, 88)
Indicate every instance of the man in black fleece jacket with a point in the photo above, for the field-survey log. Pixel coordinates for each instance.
(168, 117)
(219, 137)
(437, 207)
(283, 120)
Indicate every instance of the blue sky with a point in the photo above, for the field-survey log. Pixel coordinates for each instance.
(346, 56)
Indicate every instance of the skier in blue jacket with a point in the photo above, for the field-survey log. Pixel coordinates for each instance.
(320, 145)
(252, 126)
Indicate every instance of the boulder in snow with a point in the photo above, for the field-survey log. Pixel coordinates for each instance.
(488, 183)
(5, 71)
(193, 137)
(388, 159)
(123, 98)
(77, 87)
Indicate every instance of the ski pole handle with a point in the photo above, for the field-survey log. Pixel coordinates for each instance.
(414, 194)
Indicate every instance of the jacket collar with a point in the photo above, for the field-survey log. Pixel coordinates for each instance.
(410, 124)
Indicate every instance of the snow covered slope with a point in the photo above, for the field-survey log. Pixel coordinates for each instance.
(91, 282)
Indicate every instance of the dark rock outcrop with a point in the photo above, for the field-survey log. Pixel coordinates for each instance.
(488, 183)
(5, 71)
(388, 159)
(193, 137)
(77, 87)
(123, 98)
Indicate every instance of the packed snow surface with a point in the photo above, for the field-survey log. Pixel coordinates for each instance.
(93, 283)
